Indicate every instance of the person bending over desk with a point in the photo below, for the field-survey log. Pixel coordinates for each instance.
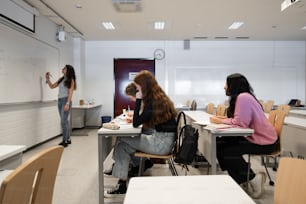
(244, 111)
(130, 92)
(158, 128)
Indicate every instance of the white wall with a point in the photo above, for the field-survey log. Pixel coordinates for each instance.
(275, 69)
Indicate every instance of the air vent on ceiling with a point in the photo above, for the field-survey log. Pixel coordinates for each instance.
(127, 5)
(200, 37)
(242, 37)
(221, 38)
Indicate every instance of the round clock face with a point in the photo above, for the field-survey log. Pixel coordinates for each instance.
(159, 54)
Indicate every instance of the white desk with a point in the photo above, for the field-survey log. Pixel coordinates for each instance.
(213, 189)
(83, 108)
(208, 134)
(11, 156)
(105, 145)
(297, 113)
(293, 138)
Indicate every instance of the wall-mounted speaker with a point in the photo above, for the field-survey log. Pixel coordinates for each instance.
(186, 44)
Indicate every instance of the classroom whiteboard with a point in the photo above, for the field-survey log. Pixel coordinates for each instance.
(24, 61)
(206, 84)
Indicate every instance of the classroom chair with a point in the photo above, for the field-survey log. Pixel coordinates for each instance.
(210, 108)
(268, 105)
(276, 118)
(221, 110)
(290, 182)
(284, 108)
(170, 157)
(33, 181)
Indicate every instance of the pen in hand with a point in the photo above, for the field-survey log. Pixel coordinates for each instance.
(48, 75)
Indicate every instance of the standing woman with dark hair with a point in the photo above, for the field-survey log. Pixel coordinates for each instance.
(67, 85)
(157, 118)
(244, 111)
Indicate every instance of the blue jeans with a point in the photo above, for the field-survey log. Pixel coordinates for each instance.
(64, 115)
(160, 143)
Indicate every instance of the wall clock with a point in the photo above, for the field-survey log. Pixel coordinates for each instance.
(159, 54)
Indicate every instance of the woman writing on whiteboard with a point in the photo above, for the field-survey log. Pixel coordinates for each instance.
(67, 85)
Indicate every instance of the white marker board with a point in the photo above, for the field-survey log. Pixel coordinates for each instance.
(24, 61)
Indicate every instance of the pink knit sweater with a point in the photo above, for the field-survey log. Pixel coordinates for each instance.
(249, 114)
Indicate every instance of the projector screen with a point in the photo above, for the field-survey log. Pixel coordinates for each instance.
(18, 13)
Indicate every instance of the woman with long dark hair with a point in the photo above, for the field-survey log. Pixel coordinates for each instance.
(244, 111)
(157, 117)
(66, 84)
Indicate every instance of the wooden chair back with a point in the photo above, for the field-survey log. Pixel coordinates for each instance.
(284, 108)
(221, 110)
(276, 118)
(290, 181)
(267, 106)
(33, 181)
(210, 108)
(272, 116)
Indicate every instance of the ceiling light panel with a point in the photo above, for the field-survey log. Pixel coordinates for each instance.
(235, 25)
(159, 25)
(108, 25)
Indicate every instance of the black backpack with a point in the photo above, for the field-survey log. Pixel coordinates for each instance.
(187, 142)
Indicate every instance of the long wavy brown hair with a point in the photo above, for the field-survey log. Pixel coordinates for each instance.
(163, 107)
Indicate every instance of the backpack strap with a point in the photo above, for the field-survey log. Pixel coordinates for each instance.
(181, 114)
(179, 131)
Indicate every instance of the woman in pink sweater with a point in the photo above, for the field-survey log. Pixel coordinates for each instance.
(244, 111)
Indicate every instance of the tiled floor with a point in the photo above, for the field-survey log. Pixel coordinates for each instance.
(77, 180)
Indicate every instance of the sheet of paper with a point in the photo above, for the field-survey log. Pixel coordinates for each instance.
(202, 123)
(219, 126)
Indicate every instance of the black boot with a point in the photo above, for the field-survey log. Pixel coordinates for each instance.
(147, 165)
(120, 190)
(64, 144)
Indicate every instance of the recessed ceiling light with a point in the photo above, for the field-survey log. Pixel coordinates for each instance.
(77, 5)
(304, 28)
(159, 25)
(108, 25)
(235, 25)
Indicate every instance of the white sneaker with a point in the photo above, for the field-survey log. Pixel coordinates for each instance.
(257, 184)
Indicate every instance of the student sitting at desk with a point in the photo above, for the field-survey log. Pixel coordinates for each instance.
(130, 92)
(158, 128)
(244, 111)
